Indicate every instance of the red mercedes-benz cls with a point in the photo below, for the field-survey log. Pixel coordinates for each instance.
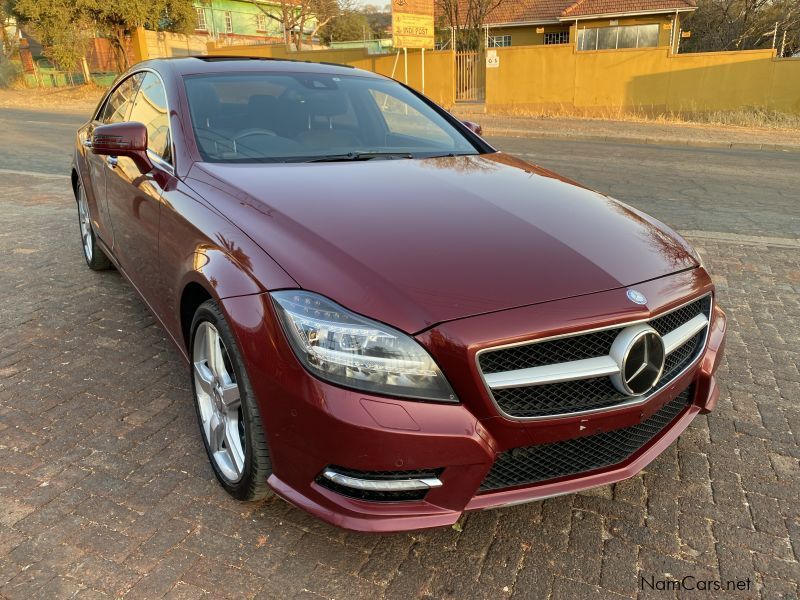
(387, 321)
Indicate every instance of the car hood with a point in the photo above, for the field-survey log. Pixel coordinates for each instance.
(413, 243)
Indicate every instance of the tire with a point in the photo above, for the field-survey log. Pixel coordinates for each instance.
(232, 434)
(95, 257)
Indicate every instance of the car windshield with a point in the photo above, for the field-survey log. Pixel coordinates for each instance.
(309, 117)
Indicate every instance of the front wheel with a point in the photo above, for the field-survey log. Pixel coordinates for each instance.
(95, 257)
(227, 411)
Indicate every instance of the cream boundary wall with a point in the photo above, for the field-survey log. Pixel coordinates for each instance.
(553, 78)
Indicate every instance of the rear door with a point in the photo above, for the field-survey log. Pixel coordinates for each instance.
(134, 197)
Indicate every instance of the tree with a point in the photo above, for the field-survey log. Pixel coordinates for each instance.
(62, 30)
(65, 25)
(301, 18)
(118, 19)
(742, 25)
(319, 14)
(350, 25)
(465, 18)
(7, 45)
(379, 19)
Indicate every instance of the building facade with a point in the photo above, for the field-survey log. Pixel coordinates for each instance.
(239, 21)
(588, 24)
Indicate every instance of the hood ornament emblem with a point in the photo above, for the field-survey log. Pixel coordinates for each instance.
(636, 297)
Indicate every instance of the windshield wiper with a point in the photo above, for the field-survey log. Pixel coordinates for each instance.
(359, 156)
(451, 154)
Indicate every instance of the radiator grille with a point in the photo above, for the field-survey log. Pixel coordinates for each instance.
(534, 464)
(584, 394)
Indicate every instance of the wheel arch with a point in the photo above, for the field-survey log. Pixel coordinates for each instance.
(212, 275)
(192, 296)
(75, 180)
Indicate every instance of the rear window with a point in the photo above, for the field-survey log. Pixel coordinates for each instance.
(288, 117)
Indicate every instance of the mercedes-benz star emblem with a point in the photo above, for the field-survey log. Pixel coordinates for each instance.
(639, 352)
(636, 297)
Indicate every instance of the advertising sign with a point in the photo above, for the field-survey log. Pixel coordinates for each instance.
(412, 23)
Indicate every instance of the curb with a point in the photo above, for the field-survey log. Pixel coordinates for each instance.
(488, 130)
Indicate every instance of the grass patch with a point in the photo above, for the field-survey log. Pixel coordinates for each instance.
(79, 97)
(744, 117)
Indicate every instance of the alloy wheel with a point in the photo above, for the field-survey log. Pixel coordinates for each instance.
(86, 225)
(219, 401)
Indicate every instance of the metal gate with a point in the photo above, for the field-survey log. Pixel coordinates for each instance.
(470, 76)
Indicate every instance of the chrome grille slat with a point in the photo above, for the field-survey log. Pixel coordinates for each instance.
(534, 388)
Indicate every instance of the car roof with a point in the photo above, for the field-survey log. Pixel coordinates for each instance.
(191, 65)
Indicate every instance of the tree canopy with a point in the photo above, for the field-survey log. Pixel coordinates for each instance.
(743, 24)
(347, 26)
(65, 26)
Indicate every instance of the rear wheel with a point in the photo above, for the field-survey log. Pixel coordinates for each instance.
(95, 257)
(227, 412)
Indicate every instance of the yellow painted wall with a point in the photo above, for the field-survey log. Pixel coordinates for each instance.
(650, 80)
(557, 78)
(165, 44)
(439, 65)
(785, 86)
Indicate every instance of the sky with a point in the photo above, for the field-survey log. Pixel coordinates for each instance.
(387, 6)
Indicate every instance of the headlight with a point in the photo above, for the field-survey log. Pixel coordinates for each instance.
(353, 351)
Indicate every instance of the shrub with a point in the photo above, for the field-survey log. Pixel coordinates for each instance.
(10, 72)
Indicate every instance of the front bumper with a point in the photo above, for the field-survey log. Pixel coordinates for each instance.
(312, 425)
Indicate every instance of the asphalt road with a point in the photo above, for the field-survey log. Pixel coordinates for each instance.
(692, 189)
(106, 492)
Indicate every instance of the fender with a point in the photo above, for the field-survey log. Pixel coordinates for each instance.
(213, 272)
(219, 273)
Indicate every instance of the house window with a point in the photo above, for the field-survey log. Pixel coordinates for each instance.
(201, 19)
(613, 38)
(261, 22)
(228, 21)
(499, 41)
(556, 37)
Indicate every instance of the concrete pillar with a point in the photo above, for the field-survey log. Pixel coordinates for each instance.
(139, 44)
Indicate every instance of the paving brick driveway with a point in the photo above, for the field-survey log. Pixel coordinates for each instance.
(105, 489)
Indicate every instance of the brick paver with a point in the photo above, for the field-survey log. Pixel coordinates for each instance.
(105, 489)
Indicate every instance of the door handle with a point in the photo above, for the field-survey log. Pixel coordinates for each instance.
(112, 161)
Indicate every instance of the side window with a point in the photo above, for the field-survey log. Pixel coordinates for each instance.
(119, 102)
(150, 108)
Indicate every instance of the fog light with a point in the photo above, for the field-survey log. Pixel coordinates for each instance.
(385, 486)
(382, 485)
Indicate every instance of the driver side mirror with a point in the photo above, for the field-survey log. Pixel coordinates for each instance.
(123, 139)
(473, 127)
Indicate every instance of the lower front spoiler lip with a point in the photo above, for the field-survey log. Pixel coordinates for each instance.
(400, 516)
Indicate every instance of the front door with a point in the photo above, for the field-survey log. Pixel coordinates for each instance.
(115, 110)
(134, 197)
